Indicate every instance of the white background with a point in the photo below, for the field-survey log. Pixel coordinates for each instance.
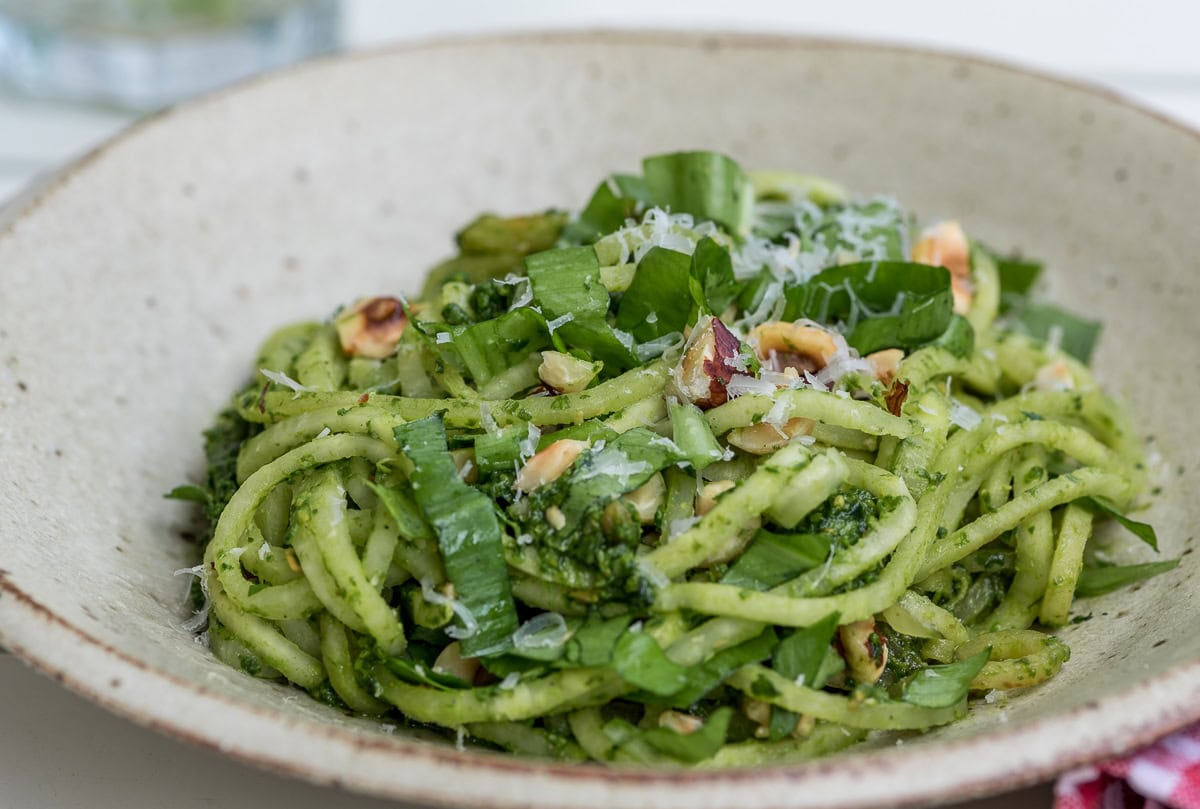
(58, 752)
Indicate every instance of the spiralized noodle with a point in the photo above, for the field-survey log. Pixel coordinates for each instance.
(725, 470)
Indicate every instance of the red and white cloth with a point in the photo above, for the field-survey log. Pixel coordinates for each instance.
(1165, 775)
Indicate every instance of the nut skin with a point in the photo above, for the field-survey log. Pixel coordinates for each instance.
(708, 365)
(886, 366)
(945, 245)
(800, 346)
(895, 397)
(372, 327)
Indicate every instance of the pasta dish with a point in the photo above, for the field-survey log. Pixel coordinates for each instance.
(727, 468)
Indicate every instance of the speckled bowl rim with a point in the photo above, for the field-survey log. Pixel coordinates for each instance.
(130, 688)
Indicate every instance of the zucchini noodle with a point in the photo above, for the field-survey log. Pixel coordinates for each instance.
(727, 469)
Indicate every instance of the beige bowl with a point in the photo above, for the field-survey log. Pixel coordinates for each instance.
(135, 287)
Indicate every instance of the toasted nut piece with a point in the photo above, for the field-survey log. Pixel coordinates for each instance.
(646, 498)
(781, 345)
(764, 438)
(371, 328)
(1054, 376)
(464, 460)
(804, 727)
(293, 561)
(945, 245)
(556, 518)
(708, 365)
(759, 713)
(566, 374)
(549, 464)
(451, 661)
(681, 723)
(864, 650)
(707, 498)
(618, 517)
(885, 364)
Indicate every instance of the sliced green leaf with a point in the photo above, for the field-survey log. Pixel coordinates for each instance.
(566, 285)
(696, 746)
(771, 559)
(712, 268)
(468, 533)
(958, 338)
(755, 289)
(593, 641)
(407, 668)
(782, 723)
(1096, 581)
(1076, 336)
(945, 685)
(801, 655)
(1107, 508)
(704, 677)
(614, 468)
(657, 302)
(189, 493)
(883, 304)
(640, 661)
(1017, 276)
(707, 185)
(631, 186)
(494, 346)
(407, 515)
(499, 451)
(870, 230)
(567, 281)
(599, 341)
(605, 212)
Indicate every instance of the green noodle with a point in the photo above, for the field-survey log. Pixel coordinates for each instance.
(755, 546)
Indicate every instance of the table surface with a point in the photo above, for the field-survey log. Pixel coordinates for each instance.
(58, 751)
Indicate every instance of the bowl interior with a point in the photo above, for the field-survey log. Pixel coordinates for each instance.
(137, 288)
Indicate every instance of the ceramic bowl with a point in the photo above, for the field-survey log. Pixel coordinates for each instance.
(136, 285)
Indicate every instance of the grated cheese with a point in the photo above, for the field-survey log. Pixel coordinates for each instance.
(528, 445)
(559, 322)
(741, 384)
(611, 462)
(964, 416)
(470, 625)
(547, 630)
(280, 378)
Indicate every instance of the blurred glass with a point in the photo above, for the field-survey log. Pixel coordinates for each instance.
(144, 54)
